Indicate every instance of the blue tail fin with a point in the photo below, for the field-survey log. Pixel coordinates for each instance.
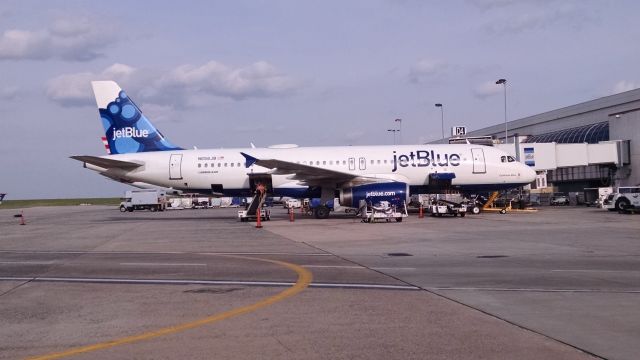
(126, 128)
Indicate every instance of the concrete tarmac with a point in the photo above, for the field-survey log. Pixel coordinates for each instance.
(563, 283)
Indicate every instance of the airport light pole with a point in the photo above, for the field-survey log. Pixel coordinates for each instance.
(399, 122)
(394, 134)
(441, 117)
(504, 85)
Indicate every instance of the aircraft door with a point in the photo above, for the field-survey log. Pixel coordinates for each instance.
(175, 167)
(352, 163)
(479, 165)
(363, 163)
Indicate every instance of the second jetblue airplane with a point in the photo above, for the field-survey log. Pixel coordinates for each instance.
(140, 155)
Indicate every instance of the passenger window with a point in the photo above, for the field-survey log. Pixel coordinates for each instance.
(385, 161)
(344, 162)
(372, 162)
(378, 162)
(503, 158)
(199, 165)
(206, 165)
(331, 162)
(225, 164)
(317, 162)
(324, 163)
(231, 164)
(219, 164)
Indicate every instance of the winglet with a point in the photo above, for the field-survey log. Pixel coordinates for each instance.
(250, 160)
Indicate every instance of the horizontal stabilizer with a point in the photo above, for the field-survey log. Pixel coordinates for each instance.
(107, 163)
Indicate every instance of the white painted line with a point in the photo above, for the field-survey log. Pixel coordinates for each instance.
(534, 290)
(27, 262)
(157, 252)
(333, 266)
(2, 278)
(266, 253)
(356, 267)
(365, 286)
(161, 264)
(206, 282)
(593, 270)
(161, 281)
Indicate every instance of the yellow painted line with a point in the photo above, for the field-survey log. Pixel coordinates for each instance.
(303, 281)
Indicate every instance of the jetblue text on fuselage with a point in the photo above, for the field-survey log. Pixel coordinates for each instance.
(129, 132)
(423, 158)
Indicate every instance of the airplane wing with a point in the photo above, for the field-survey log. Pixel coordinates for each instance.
(107, 163)
(307, 174)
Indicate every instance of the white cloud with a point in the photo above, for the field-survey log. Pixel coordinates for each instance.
(519, 16)
(9, 93)
(492, 4)
(487, 89)
(353, 137)
(75, 89)
(425, 69)
(16, 44)
(160, 113)
(259, 79)
(183, 86)
(78, 39)
(624, 85)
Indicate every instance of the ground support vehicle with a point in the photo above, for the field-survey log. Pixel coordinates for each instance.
(444, 207)
(292, 204)
(244, 215)
(383, 211)
(175, 204)
(200, 203)
(596, 196)
(252, 209)
(625, 200)
(475, 204)
(144, 199)
(560, 200)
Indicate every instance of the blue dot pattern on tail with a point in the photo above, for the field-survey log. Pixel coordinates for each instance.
(128, 131)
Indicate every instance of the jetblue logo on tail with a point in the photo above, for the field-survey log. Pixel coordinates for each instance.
(130, 132)
(127, 130)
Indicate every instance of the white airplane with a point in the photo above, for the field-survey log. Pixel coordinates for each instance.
(140, 154)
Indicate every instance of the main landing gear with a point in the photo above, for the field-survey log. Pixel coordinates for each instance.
(321, 212)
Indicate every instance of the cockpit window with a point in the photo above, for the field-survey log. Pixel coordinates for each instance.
(503, 158)
(511, 159)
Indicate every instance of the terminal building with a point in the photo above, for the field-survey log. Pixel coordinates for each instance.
(591, 144)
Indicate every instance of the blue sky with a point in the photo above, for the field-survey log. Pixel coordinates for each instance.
(224, 74)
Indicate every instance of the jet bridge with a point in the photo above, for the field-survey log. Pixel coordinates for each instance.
(551, 156)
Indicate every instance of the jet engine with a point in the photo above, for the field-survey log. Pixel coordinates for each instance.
(396, 193)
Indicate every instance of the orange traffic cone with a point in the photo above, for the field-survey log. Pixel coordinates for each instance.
(421, 213)
(22, 222)
(291, 218)
(259, 220)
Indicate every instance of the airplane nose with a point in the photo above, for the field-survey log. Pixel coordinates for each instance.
(528, 174)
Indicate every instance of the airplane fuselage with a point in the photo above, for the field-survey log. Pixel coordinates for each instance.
(474, 167)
